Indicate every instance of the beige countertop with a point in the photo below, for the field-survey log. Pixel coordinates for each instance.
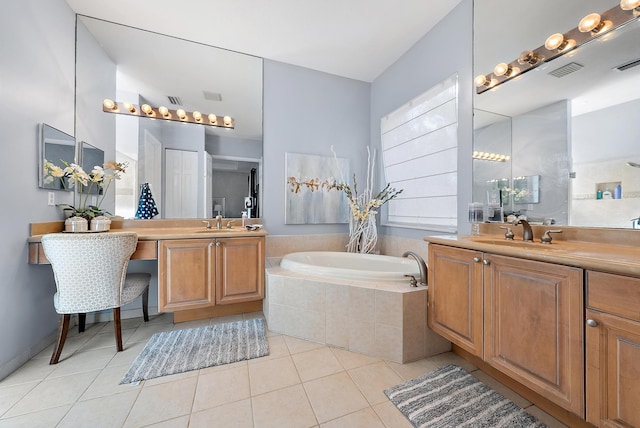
(160, 233)
(607, 257)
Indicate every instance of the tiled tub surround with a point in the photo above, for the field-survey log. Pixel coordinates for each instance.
(383, 320)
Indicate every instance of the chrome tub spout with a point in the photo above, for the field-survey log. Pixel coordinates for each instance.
(421, 265)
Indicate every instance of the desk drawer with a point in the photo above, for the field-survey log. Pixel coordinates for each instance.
(146, 250)
(614, 294)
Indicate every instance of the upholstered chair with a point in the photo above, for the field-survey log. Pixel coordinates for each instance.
(90, 271)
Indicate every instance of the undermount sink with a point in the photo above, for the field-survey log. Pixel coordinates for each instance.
(516, 243)
(215, 230)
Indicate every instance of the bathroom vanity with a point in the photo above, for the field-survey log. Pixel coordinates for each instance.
(561, 319)
(202, 272)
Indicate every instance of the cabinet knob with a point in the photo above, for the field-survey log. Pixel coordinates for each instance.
(592, 323)
(486, 262)
(476, 259)
(217, 243)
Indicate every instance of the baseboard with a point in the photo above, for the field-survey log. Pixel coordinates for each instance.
(16, 362)
(107, 315)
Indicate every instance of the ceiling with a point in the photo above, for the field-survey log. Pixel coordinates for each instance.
(357, 39)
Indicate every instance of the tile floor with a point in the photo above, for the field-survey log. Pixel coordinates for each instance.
(300, 384)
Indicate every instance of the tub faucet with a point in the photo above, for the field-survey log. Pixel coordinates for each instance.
(421, 265)
(527, 233)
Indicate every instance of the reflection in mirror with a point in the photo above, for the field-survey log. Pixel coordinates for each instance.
(90, 157)
(526, 190)
(573, 117)
(57, 148)
(180, 161)
(492, 182)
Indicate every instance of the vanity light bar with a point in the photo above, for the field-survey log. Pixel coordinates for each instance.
(162, 112)
(589, 28)
(495, 157)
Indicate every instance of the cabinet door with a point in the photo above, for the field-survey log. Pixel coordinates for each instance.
(185, 274)
(240, 270)
(455, 296)
(613, 371)
(534, 327)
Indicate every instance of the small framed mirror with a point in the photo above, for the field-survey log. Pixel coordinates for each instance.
(57, 148)
(91, 157)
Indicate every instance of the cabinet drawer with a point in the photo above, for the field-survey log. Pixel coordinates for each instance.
(615, 294)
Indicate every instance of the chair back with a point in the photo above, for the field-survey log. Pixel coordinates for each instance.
(89, 268)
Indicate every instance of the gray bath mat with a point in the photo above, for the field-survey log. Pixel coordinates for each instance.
(451, 397)
(179, 351)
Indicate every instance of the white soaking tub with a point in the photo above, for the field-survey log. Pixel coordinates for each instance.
(354, 266)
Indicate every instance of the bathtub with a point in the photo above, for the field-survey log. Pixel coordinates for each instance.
(351, 266)
(358, 302)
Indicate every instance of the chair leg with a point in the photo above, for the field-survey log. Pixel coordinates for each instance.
(145, 304)
(118, 328)
(82, 318)
(63, 327)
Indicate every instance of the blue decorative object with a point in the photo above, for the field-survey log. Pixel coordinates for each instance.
(146, 206)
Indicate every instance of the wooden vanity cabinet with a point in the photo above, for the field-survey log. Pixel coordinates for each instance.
(200, 273)
(239, 270)
(613, 350)
(455, 296)
(522, 317)
(533, 329)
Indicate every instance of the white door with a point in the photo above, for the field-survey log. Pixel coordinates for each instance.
(181, 184)
(152, 168)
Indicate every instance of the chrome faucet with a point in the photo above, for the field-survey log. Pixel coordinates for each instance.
(527, 233)
(218, 222)
(421, 265)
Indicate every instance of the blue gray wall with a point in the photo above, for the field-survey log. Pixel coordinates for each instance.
(307, 111)
(37, 57)
(447, 49)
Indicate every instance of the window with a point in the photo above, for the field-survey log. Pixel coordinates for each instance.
(420, 156)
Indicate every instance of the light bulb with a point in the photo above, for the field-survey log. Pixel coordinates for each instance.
(555, 41)
(590, 22)
(213, 119)
(109, 104)
(502, 69)
(181, 114)
(163, 111)
(197, 116)
(227, 120)
(528, 57)
(147, 109)
(129, 107)
(480, 80)
(629, 4)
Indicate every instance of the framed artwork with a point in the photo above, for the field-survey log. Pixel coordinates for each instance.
(311, 194)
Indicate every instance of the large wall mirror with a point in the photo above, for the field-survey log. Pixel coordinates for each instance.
(572, 124)
(191, 169)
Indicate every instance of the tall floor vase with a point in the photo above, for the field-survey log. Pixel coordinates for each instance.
(363, 235)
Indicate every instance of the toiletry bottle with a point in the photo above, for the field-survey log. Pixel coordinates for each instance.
(617, 192)
(599, 194)
(244, 218)
(606, 194)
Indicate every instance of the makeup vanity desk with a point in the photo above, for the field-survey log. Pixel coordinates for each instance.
(202, 272)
